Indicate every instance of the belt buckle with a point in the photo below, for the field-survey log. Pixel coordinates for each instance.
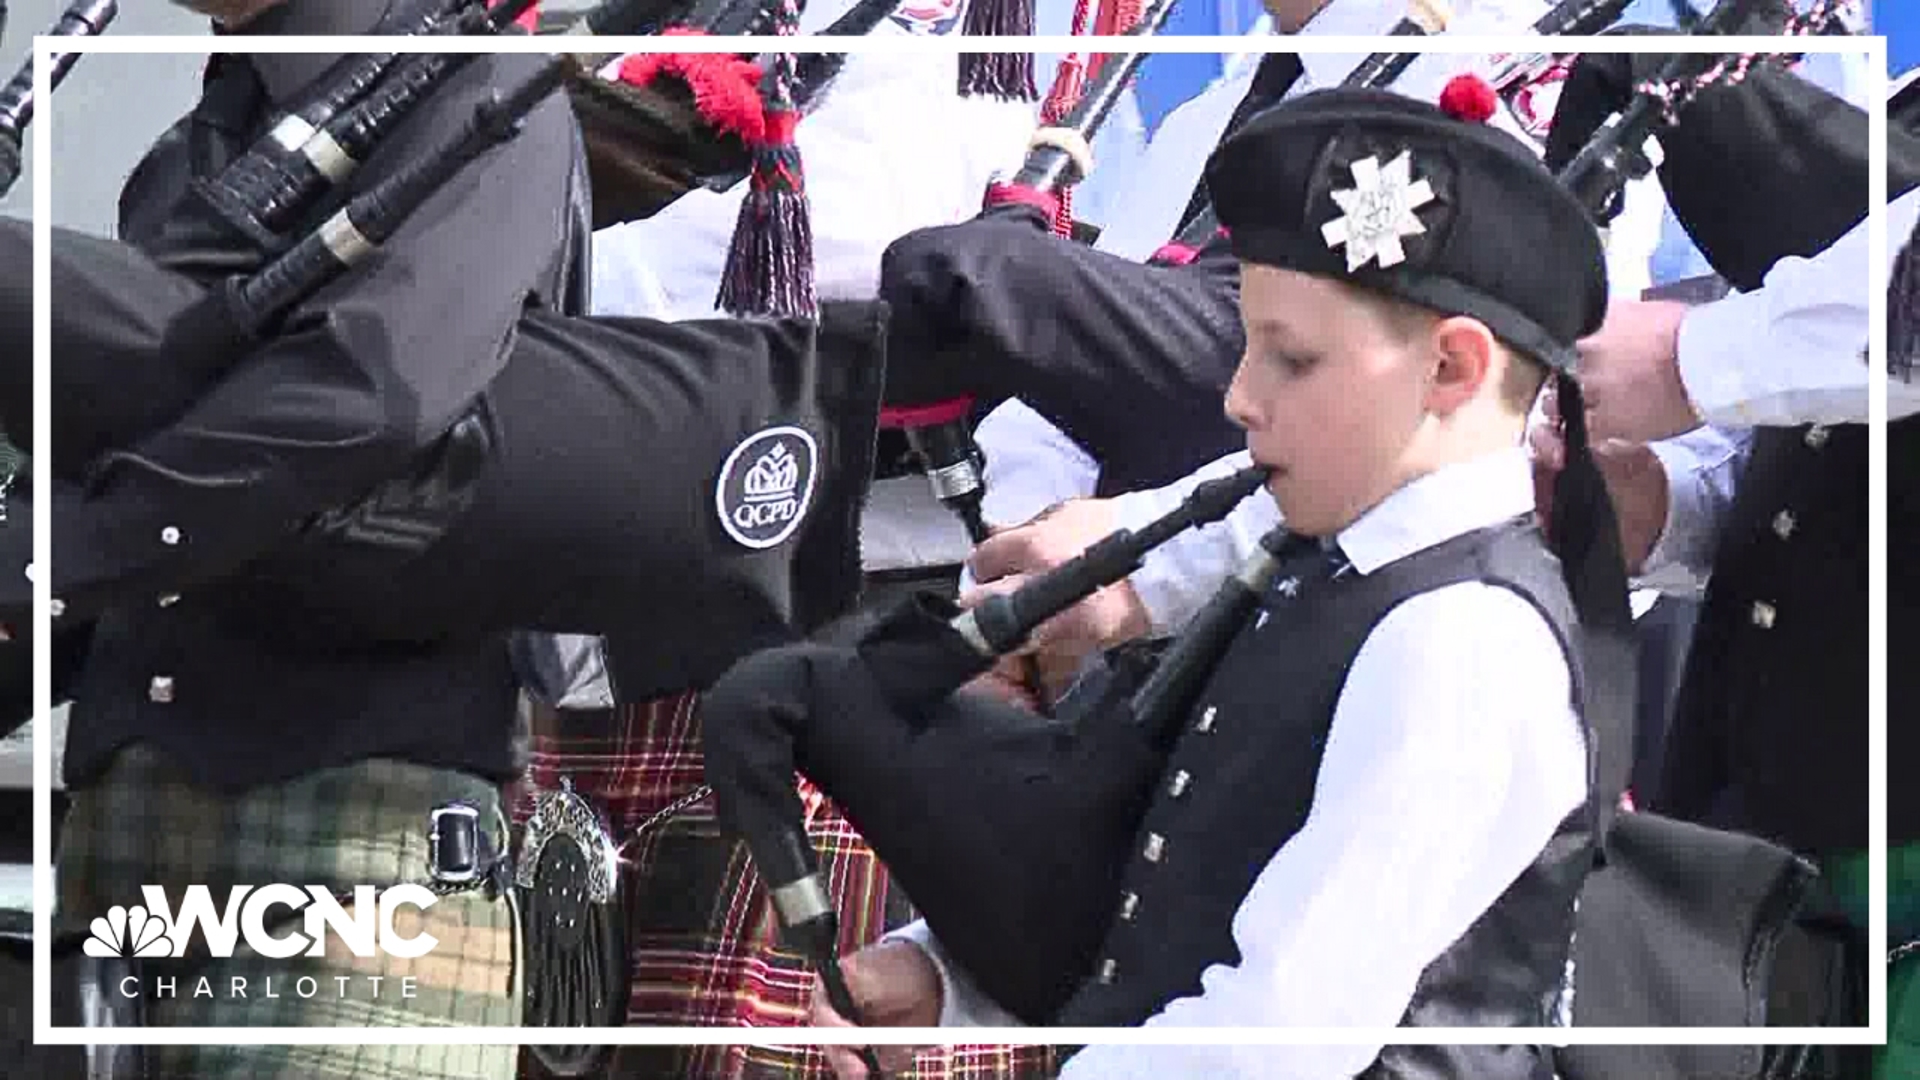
(453, 844)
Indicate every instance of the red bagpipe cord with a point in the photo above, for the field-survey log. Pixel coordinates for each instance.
(769, 268)
(1070, 81)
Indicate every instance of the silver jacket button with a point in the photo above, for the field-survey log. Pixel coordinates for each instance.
(1129, 906)
(1783, 524)
(1764, 614)
(1109, 971)
(1155, 848)
(1181, 781)
(1206, 719)
(56, 607)
(1816, 436)
(169, 599)
(170, 536)
(160, 690)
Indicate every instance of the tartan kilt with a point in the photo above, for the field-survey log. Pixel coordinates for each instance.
(144, 823)
(703, 935)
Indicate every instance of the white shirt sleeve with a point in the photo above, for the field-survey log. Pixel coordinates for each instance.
(1452, 760)
(1795, 350)
(1176, 579)
(1703, 469)
(1031, 465)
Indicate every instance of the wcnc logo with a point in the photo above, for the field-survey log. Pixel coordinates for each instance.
(155, 930)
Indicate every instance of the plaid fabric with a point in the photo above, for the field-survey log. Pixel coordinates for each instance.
(366, 824)
(1847, 877)
(702, 931)
(1900, 1058)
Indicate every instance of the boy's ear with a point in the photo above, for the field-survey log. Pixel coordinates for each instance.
(1463, 353)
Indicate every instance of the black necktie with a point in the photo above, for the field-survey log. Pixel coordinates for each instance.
(1304, 560)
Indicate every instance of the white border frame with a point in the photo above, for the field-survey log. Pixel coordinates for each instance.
(1874, 48)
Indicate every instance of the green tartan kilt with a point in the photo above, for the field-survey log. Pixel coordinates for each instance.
(143, 823)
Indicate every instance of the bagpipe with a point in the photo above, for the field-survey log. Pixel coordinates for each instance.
(317, 145)
(648, 138)
(1059, 156)
(84, 18)
(1010, 830)
(138, 341)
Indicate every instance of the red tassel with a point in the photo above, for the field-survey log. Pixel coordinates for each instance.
(1173, 253)
(1069, 85)
(726, 89)
(769, 267)
(1001, 75)
(1000, 194)
(1468, 97)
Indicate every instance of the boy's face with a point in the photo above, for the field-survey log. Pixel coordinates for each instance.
(1332, 396)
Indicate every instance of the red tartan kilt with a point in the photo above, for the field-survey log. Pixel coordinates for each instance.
(702, 932)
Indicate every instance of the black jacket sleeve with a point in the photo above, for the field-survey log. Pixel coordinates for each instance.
(363, 375)
(999, 307)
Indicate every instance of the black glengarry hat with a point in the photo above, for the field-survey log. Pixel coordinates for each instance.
(1406, 198)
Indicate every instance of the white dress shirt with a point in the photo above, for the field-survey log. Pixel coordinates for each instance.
(1453, 757)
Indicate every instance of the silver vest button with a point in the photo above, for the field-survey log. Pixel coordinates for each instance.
(1109, 971)
(1206, 719)
(1764, 614)
(170, 536)
(1181, 781)
(1783, 524)
(1816, 436)
(56, 607)
(1129, 906)
(160, 690)
(1156, 847)
(169, 599)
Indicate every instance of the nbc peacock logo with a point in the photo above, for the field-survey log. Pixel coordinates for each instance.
(766, 486)
(128, 932)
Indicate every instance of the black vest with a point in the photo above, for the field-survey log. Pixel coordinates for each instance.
(1770, 732)
(1240, 784)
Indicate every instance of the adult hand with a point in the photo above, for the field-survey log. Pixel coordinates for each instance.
(1636, 483)
(1630, 373)
(895, 984)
